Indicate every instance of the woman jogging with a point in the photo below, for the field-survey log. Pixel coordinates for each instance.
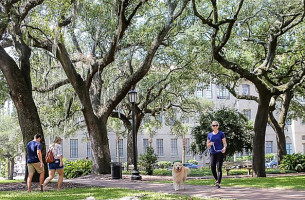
(217, 142)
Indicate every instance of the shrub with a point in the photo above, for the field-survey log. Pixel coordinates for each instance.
(295, 162)
(193, 161)
(164, 164)
(269, 156)
(148, 160)
(77, 168)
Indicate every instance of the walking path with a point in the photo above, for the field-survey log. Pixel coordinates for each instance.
(191, 190)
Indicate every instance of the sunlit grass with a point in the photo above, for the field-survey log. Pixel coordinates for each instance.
(284, 182)
(97, 193)
(4, 181)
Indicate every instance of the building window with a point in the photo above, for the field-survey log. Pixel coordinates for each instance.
(120, 149)
(174, 147)
(89, 152)
(73, 148)
(222, 92)
(245, 89)
(303, 148)
(269, 147)
(145, 145)
(289, 148)
(199, 90)
(160, 147)
(208, 92)
(187, 146)
(303, 137)
(247, 113)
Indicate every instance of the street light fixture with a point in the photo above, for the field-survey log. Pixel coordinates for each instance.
(132, 95)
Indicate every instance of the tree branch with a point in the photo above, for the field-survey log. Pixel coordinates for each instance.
(52, 87)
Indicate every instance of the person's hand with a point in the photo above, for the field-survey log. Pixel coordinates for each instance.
(223, 150)
(60, 164)
(211, 143)
(41, 164)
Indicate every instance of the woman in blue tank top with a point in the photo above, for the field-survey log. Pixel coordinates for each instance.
(217, 142)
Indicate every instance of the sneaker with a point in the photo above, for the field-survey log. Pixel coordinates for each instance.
(217, 185)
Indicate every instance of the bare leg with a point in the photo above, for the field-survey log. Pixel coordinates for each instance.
(29, 181)
(51, 176)
(60, 178)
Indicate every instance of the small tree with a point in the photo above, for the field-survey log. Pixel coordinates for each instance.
(148, 160)
(237, 128)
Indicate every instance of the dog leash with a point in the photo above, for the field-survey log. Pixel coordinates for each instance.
(204, 152)
(209, 149)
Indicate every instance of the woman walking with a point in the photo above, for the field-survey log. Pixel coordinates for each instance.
(57, 165)
(217, 141)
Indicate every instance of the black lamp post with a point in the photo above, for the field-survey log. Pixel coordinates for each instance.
(133, 99)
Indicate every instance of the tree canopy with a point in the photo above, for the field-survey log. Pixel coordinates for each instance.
(237, 128)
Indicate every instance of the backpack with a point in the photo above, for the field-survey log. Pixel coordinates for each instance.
(50, 156)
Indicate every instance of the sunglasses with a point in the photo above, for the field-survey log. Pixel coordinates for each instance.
(215, 125)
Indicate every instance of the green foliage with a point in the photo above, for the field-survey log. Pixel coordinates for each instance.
(295, 162)
(164, 164)
(4, 92)
(177, 161)
(269, 156)
(235, 125)
(193, 161)
(77, 168)
(148, 160)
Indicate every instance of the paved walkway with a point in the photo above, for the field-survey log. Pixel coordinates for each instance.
(192, 190)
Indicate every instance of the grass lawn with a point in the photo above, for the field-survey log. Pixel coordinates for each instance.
(3, 181)
(285, 182)
(207, 172)
(97, 193)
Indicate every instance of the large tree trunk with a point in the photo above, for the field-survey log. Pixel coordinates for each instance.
(259, 135)
(279, 126)
(21, 94)
(97, 129)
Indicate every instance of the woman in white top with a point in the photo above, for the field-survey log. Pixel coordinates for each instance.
(57, 165)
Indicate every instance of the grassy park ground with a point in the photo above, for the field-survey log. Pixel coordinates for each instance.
(283, 182)
(291, 181)
(97, 193)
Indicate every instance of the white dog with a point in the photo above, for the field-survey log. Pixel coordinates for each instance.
(179, 173)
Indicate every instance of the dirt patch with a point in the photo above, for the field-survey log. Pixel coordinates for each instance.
(35, 186)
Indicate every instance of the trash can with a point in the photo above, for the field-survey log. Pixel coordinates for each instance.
(116, 170)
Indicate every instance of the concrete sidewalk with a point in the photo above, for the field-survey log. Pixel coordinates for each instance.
(191, 190)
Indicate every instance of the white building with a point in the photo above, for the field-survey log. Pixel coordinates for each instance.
(168, 147)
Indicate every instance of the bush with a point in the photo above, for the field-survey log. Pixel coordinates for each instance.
(148, 160)
(164, 164)
(177, 161)
(77, 168)
(269, 156)
(193, 161)
(295, 162)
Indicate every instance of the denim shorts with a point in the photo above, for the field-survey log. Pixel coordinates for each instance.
(55, 165)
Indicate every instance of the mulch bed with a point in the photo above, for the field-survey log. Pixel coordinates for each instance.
(35, 186)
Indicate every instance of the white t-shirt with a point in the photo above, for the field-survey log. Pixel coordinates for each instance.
(57, 151)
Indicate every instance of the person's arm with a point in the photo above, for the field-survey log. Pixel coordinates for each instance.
(224, 142)
(60, 155)
(39, 154)
(209, 143)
